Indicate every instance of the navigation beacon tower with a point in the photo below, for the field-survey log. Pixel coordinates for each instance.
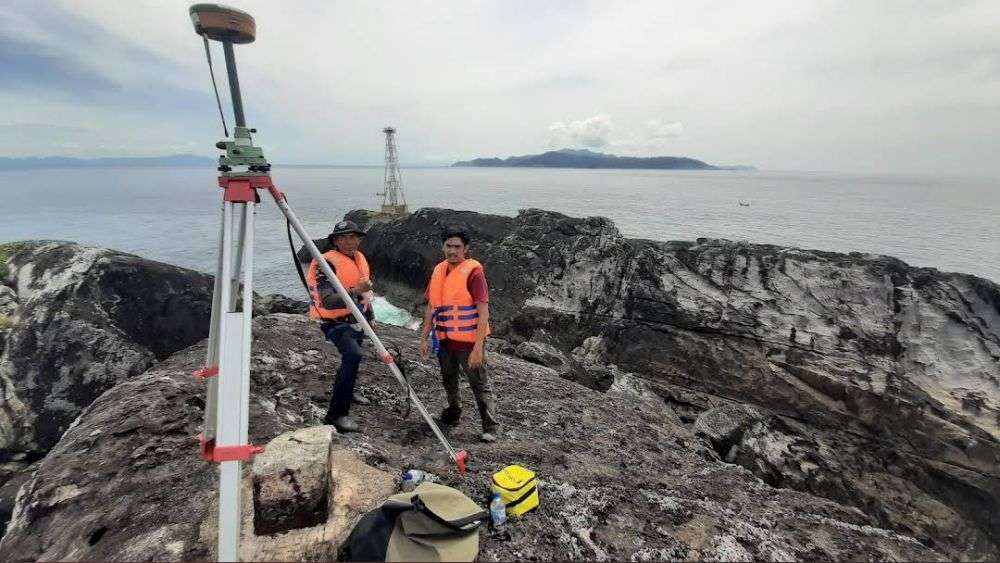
(393, 200)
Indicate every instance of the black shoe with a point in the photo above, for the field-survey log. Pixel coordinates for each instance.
(451, 415)
(359, 399)
(346, 424)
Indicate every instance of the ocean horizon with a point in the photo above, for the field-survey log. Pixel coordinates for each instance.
(172, 213)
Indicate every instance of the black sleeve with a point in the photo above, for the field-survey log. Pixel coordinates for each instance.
(327, 293)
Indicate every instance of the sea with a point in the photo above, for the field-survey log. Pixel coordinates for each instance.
(172, 214)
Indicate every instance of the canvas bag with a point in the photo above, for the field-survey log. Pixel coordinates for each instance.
(431, 523)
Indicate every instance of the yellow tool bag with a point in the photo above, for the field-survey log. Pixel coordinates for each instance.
(518, 488)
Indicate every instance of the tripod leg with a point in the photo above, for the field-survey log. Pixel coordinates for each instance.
(229, 510)
(212, 353)
(239, 217)
(227, 417)
(248, 232)
(230, 433)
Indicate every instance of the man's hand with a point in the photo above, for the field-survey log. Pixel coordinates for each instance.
(476, 357)
(424, 347)
(364, 284)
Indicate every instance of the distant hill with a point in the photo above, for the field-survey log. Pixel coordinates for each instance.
(569, 158)
(67, 162)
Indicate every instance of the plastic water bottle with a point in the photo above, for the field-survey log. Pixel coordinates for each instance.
(412, 478)
(498, 512)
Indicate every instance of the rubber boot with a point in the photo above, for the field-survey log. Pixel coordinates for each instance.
(345, 424)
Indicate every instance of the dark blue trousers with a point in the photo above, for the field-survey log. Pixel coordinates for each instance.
(348, 342)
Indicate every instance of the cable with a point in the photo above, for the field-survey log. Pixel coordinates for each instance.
(295, 258)
(218, 102)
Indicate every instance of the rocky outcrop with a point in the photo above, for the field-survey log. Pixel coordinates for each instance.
(714, 440)
(8, 300)
(74, 322)
(117, 486)
(82, 320)
(87, 319)
(15, 475)
(894, 369)
(621, 477)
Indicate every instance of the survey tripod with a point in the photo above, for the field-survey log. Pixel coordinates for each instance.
(244, 172)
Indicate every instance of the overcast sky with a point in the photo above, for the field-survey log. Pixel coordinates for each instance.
(785, 85)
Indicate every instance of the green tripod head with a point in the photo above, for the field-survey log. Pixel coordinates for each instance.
(240, 151)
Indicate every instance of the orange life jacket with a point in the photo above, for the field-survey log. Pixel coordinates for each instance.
(348, 270)
(454, 312)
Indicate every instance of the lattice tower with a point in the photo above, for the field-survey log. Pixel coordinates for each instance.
(393, 200)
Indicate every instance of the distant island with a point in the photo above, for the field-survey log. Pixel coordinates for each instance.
(68, 162)
(571, 158)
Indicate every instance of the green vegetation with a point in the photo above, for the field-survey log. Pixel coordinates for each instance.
(6, 322)
(6, 250)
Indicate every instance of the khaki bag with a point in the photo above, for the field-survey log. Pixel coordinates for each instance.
(431, 523)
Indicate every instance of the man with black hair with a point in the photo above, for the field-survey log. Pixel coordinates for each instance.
(337, 322)
(457, 320)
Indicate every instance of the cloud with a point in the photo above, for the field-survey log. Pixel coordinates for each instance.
(782, 84)
(592, 132)
(658, 138)
(600, 132)
(657, 129)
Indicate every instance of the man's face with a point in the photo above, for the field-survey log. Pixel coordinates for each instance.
(454, 250)
(347, 243)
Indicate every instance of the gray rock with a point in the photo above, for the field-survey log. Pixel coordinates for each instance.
(902, 362)
(724, 426)
(88, 319)
(540, 353)
(291, 481)
(593, 350)
(8, 300)
(626, 475)
(354, 488)
(787, 454)
(500, 346)
(277, 303)
(14, 476)
(594, 376)
(126, 482)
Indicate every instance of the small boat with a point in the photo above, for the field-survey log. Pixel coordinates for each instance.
(744, 203)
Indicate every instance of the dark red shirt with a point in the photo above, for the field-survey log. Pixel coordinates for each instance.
(476, 285)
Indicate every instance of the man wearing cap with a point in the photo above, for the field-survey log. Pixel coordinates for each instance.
(351, 268)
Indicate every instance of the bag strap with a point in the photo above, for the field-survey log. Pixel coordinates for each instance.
(522, 498)
(512, 489)
(461, 525)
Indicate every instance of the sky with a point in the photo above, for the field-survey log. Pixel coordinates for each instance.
(852, 86)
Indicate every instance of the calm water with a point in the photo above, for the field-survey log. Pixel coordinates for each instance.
(172, 214)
